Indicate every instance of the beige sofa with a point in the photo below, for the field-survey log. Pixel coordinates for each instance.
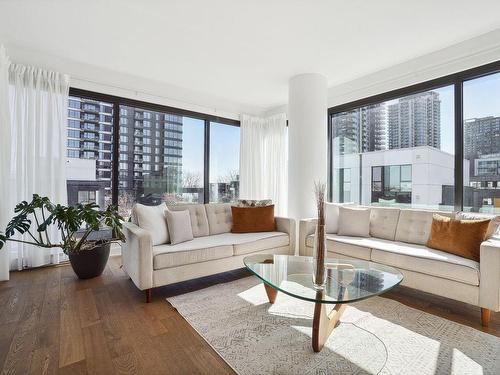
(214, 248)
(398, 238)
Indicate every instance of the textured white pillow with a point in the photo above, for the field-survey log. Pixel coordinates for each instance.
(179, 226)
(354, 222)
(152, 219)
(332, 216)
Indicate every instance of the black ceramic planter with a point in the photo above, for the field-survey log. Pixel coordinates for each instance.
(90, 263)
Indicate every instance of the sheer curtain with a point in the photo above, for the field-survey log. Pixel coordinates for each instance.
(264, 160)
(36, 136)
(5, 151)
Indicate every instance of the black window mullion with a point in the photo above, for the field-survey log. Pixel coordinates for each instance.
(115, 153)
(206, 159)
(459, 150)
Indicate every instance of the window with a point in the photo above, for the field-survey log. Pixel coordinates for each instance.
(167, 159)
(481, 144)
(224, 162)
(391, 184)
(376, 148)
(432, 145)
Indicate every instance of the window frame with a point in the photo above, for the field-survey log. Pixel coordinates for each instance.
(456, 80)
(116, 101)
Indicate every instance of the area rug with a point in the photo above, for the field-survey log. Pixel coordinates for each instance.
(375, 336)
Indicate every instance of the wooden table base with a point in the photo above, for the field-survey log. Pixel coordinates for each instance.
(323, 322)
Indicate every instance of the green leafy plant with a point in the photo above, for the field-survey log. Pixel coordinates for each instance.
(75, 224)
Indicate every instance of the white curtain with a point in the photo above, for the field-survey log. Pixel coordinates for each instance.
(5, 151)
(36, 137)
(264, 160)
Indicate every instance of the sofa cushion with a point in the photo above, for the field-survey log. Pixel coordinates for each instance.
(246, 243)
(383, 222)
(218, 246)
(219, 218)
(428, 261)
(198, 215)
(152, 219)
(357, 247)
(414, 226)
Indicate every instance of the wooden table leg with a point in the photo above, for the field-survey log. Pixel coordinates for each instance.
(271, 292)
(323, 323)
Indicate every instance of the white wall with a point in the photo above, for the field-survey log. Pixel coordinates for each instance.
(431, 169)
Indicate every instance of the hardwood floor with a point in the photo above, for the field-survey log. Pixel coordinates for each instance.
(53, 323)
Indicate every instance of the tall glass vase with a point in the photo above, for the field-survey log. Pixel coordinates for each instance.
(319, 257)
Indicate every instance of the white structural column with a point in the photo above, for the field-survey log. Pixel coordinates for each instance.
(307, 132)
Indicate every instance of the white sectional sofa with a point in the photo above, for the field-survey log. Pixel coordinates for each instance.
(398, 238)
(214, 248)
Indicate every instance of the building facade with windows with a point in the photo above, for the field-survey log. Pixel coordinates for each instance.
(415, 120)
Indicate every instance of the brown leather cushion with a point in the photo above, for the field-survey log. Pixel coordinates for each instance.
(253, 219)
(459, 237)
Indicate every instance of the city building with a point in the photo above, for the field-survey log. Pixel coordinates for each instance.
(89, 146)
(361, 129)
(415, 120)
(412, 177)
(150, 157)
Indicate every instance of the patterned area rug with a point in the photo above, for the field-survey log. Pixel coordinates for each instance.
(376, 336)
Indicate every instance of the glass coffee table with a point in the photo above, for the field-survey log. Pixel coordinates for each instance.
(348, 280)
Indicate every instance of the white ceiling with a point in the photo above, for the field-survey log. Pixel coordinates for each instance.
(242, 50)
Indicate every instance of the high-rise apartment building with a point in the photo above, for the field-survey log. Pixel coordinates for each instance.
(150, 153)
(360, 130)
(89, 146)
(414, 121)
(481, 136)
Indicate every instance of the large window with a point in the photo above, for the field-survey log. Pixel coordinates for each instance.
(161, 154)
(433, 145)
(379, 149)
(224, 162)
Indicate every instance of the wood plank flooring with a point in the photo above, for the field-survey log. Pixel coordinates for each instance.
(53, 323)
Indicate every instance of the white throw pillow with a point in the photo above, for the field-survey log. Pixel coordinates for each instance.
(152, 219)
(332, 216)
(179, 226)
(354, 222)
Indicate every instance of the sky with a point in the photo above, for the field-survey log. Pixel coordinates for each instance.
(224, 148)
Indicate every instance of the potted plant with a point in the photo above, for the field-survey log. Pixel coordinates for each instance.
(76, 224)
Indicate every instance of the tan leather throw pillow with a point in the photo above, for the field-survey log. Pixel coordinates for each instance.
(459, 237)
(253, 219)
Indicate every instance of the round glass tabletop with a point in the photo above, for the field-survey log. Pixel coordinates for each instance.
(348, 280)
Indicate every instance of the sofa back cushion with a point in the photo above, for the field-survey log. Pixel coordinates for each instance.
(199, 220)
(152, 219)
(383, 222)
(219, 216)
(414, 226)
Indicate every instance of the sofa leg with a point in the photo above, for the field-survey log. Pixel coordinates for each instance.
(485, 317)
(148, 295)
